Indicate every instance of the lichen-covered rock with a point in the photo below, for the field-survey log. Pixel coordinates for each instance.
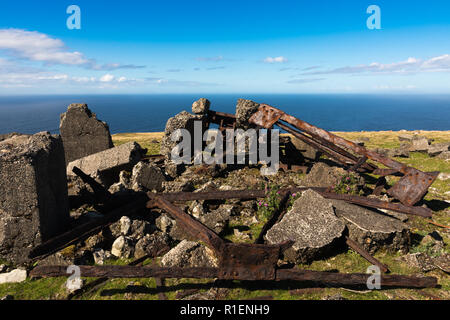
(183, 120)
(82, 134)
(419, 144)
(201, 106)
(147, 177)
(323, 175)
(153, 245)
(312, 224)
(189, 254)
(438, 148)
(371, 229)
(33, 193)
(123, 247)
(217, 220)
(244, 110)
(444, 155)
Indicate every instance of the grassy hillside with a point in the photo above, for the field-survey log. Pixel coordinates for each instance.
(348, 261)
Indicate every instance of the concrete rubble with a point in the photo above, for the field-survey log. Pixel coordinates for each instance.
(312, 224)
(106, 165)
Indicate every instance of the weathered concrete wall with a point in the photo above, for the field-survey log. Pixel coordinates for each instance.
(33, 193)
(82, 134)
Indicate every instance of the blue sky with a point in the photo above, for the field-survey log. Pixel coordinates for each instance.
(224, 47)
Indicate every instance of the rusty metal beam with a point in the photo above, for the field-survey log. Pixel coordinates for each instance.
(319, 277)
(410, 189)
(255, 194)
(366, 255)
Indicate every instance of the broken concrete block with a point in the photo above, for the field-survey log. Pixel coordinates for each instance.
(15, 276)
(154, 245)
(123, 247)
(201, 106)
(444, 155)
(312, 224)
(33, 193)
(323, 175)
(405, 137)
(147, 177)
(82, 134)
(244, 110)
(438, 148)
(189, 254)
(371, 229)
(419, 144)
(106, 165)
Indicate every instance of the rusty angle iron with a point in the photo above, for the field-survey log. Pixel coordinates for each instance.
(410, 189)
(236, 260)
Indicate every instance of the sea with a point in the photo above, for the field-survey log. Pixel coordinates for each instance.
(149, 113)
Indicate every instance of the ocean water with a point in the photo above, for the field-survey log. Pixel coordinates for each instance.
(145, 113)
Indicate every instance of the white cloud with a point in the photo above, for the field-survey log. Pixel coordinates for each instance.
(36, 46)
(107, 78)
(411, 65)
(280, 59)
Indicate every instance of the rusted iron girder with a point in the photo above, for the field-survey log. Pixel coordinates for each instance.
(236, 260)
(254, 194)
(409, 189)
(319, 277)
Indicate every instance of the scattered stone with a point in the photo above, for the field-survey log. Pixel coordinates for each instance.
(438, 148)
(15, 276)
(100, 256)
(405, 137)
(371, 229)
(153, 245)
(322, 175)
(336, 296)
(240, 235)
(125, 225)
(7, 297)
(123, 247)
(189, 254)
(201, 106)
(217, 220)
(444, 155)
(443, 176)
(82, 134)
(106, 165)
(147, 177)
(33, 193)
(178, 186)
(419, 260)
(244, 110)
(443, 262)
(419, 144)
(312, 224)
(10, 135)
(3, 268)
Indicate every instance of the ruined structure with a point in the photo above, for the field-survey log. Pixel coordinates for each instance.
(82, 133)
(33, 193)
